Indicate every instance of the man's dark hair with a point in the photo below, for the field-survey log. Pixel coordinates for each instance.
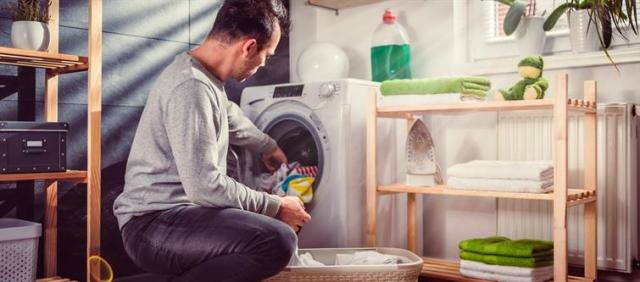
(250, 18)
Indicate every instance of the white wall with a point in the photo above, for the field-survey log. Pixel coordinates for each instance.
(429, 24)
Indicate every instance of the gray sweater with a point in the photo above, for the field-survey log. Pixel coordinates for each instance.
(179, 152)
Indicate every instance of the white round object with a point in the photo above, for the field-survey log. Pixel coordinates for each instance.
(30, 35)
(322, 61)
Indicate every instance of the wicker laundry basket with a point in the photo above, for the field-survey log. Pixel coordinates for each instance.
(385, 272)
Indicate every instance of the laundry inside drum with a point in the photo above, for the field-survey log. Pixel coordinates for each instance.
(300, 143)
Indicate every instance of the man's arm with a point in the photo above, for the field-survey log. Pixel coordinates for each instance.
(242, 132)
(189, 117)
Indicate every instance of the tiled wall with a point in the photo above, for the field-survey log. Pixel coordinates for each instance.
(139, 39)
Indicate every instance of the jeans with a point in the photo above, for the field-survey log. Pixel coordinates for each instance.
(196, 243)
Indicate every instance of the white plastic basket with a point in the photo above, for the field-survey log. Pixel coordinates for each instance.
(18, 249)
(404, 272)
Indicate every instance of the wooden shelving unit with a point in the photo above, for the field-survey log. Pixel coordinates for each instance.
(562, 196)
(69, 176)
(56, 64)
(60, 63)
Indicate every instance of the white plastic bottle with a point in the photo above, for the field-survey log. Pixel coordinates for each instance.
(390, 50)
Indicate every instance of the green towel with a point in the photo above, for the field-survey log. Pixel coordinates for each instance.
(470, 85)
(507, 261)
(503, 246)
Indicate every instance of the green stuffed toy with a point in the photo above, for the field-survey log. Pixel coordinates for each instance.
(532, 86)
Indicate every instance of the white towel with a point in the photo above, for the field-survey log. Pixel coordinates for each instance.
(506, 270)
(430, 99)
(503, 185)
(368, 258)
(524, 170)
(503, 278)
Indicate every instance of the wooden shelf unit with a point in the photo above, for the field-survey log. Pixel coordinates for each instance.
(69, 176)
(448, 271)
(562, 197)
(573, 194)
(55, 64)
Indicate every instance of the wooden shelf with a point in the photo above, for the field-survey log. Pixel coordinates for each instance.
(578, 196)
(488, 106)
(69, 175)
(55, 279)
(340, 4)
(449, 271)
(60, 63)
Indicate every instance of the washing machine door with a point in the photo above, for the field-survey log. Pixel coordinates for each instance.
(299, 133)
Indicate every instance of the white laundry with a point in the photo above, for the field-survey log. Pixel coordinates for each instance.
(506, 270)
(504, 185)
(504, 278)
(524, 170)
(368, 258)
(305, 259)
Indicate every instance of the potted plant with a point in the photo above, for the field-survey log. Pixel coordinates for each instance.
(590, 22)
(528, 27)
(29, 29)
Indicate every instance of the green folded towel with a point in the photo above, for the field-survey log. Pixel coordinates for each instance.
(470, 85)
(507, 261)
(503, 246)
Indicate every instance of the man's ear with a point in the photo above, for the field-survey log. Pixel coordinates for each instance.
(249, 47)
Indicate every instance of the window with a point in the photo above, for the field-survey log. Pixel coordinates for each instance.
(481, 47)
(498, 11)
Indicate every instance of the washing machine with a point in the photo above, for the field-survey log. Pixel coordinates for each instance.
(318, 124)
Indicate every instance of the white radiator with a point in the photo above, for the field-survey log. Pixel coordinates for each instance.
(528, 136)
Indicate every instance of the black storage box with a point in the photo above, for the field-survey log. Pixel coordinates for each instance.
(33, 146)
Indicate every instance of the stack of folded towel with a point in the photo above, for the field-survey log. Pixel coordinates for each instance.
(448, 89)
(507, 176)
(501, 259)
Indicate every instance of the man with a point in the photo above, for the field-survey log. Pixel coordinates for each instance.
(179, 213)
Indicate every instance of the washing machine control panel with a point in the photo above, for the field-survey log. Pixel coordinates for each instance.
(328, 89)
(288, 91)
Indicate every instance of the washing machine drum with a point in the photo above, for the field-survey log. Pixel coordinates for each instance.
(299, 141)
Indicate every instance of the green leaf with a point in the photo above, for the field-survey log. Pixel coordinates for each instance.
(556, 14)
(512, 19)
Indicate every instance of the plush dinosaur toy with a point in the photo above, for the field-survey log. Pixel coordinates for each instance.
(532, 86)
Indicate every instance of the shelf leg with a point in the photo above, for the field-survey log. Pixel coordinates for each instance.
(371, 177)
(51, 229)
(560, 180)
(411, 204)
(94, 107)
(411, 222)
(590, 183)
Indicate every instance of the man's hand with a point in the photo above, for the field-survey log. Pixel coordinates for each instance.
(272, 160)
(292, 212)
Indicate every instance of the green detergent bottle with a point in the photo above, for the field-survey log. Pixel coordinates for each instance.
(390, 50)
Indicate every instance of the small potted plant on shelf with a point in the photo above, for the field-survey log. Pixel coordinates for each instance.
(528, 27)
(29, 29)
(590, 22)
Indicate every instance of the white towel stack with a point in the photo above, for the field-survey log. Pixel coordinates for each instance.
(506, 176)
(505, 273)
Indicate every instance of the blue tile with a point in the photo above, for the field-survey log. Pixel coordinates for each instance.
(130, 66)
(160, 19)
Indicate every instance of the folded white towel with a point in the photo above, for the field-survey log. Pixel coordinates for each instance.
(503, 278)
(525, 170)
(421, 99)
(504, 185)
(506, 270)
(368, 258)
